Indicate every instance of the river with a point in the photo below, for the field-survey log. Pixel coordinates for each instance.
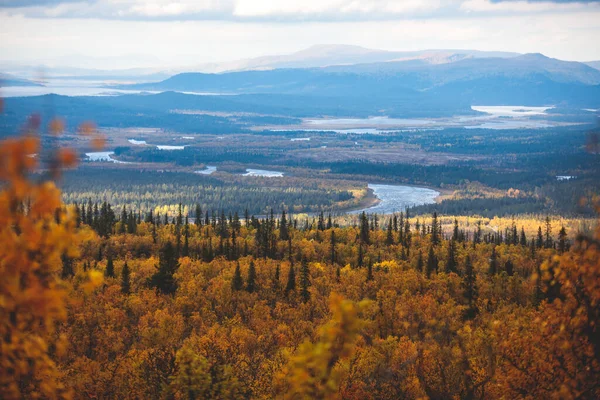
(395, 198)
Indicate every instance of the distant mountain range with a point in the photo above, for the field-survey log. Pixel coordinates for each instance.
(328, 55)
(530, 79)
(11, 80)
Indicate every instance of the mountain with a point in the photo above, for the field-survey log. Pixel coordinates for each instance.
(531, 79)
(11, 80)
(328, 55)
(594, 64)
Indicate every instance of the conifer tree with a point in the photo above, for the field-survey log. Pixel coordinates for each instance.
(509, 268)
(198, 215)
(451, 258)
(251, 282)
(360, 260)
(237, 283)
(420, 262)
(163, 280)
(332, 247)
(523, 238)
(370, 272)
(291, 280)
(469, 284)
(283, 227)
(493, 267)
(304, 282)
(562, 240)
(540, 238)
(186, 239)
(276, 277)
(389, 240)
(125, 279)
(548, 243)
(364, 228)
(109, 272)
(432, 262)
(435, 232)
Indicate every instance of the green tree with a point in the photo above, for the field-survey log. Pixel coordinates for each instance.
(304, 282)
(125, 279)
(109, 272)
(163, 280)
(291, 280)
(251, 282)
(469, 284)
(237, 283)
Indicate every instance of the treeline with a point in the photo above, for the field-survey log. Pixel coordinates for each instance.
(147, 190)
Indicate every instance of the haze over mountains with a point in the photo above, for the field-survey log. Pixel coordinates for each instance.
(314, 57)
(474, 77)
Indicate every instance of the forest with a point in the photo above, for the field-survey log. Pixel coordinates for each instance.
(101, 302)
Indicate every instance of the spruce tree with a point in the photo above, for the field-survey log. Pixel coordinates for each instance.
(435, 232)
(370, 272)
(523, 238)
(186, 240)
(332, 247)
(237, 283)
(451, 258)
(540, 238)
(389, 240)
(125, 279)
(420, 262)
(163, 280)
(283, 227)
(198, 215)
(509, 268)
(109, 272)
(276, 277)
(432, 262)
(493, 267)
(251, 282)
(469, 284)
(304, 282)
(562, 240)
(291, 280)
(364, 228)
(548, 243)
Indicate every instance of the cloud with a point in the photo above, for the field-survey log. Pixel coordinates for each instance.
(283, 10)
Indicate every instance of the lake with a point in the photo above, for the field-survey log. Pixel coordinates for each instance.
(103, 156)
(206, 171)
(263, 172)
(395, 198)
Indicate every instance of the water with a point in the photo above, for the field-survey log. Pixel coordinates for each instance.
(512, 111)
(78, 88)
(164, 147)
(206, 171)
(263, 172)
(103, 156)
(395, 198)
(509, 124)
(302, 139)
(137, 142)
(372, 121)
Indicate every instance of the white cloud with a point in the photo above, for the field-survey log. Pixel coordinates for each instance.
(516, 6)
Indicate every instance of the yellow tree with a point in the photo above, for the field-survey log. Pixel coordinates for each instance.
(35, 232)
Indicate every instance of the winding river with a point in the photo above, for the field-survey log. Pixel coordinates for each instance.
(395, 198)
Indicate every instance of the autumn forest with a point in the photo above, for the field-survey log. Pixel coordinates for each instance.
(99, 302)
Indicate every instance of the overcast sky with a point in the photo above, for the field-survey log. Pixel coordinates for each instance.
(163, 33)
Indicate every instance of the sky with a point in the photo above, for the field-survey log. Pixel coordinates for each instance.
(162, 33)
